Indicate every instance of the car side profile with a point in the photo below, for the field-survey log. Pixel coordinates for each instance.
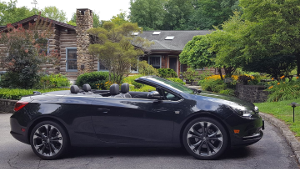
(206, 124)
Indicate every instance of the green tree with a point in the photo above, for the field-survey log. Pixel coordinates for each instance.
(209, 13)
(178, 14)
(113, 45)
(9, 13)
(149, 14)
(54, 13)
(274, 29)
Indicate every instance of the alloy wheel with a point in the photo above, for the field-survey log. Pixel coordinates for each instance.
(47, 140)
(204, 138)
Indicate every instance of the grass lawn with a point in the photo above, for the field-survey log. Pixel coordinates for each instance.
(283, 111)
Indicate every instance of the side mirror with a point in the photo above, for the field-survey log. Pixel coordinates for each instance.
(154, 95)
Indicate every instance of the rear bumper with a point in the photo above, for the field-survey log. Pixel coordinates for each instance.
(18, 131)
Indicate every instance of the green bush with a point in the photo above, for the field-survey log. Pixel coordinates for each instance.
(190, 75)
(167, 73)
(146, 69)
(16, 94)
(145, 88)
(228, 92)
(284, 90)
(93, 79)
(213, 85)
(177, 80)
(53, 81)
(130, 80)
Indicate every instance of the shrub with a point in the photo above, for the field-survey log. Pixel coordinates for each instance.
(167, 73)
(24, 53)
(145, 88)
(213, 85)
(130, 80)
(284, 90)
(177, 80)
(190, 74)
(53, 81)
(146, 69)
(16, 94)
(93, 79)
(228, 92)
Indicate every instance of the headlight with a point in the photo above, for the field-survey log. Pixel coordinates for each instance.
(245, 113)
(248, 113)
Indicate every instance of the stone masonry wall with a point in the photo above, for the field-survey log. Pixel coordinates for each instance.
(251, 93)
(85, 62)
(7, 106)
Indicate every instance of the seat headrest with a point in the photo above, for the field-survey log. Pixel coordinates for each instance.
(74, 89)
(86, 87)
(114, 89)
(125, 88)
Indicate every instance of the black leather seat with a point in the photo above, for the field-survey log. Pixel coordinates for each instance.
(124, 91)
(86, 88)
(114, 90)
(74, 89)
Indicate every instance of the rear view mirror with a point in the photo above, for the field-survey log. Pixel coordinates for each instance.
(154, 95)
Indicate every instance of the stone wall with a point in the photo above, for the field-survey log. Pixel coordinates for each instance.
(85, 62)
(7, 106)
(251, 93)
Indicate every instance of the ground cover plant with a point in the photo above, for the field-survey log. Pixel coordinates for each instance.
(283, 111)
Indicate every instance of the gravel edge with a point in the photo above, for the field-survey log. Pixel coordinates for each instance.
(286, 132)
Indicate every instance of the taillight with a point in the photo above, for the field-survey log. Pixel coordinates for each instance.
(19, 105)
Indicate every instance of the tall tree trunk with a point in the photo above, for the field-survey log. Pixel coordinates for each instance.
(220, 72)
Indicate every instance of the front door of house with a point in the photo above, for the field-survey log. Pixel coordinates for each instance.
(173, 63)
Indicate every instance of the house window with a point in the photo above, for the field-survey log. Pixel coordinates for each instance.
(155, 61)
(71, 59)
(101, 67)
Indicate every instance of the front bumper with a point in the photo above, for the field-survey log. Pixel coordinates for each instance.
(250, 131)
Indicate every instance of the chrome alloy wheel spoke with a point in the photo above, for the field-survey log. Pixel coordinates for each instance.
(47, 140)
(205, 138)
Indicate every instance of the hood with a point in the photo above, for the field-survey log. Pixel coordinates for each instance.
(231, 101)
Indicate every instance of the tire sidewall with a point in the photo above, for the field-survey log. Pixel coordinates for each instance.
(213, 121)
(65, 140)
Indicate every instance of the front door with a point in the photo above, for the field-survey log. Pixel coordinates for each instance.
(173, 63)
(132, 120)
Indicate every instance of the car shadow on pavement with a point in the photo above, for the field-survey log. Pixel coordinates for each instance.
(76, 152)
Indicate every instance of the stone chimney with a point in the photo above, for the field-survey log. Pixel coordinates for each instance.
(84, 22)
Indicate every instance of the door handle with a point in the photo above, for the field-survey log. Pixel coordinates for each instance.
(103, 110)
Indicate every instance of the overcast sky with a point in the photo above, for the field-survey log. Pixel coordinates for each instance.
(105, 8)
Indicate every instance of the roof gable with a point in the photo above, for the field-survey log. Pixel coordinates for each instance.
(32, 18)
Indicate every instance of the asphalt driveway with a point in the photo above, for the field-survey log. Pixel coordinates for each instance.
(271, 152)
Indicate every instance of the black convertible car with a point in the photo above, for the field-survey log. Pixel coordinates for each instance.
(206, 124)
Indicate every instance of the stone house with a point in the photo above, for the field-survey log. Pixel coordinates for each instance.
(72, 43)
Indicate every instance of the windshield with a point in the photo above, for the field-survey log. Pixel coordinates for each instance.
(173, 85)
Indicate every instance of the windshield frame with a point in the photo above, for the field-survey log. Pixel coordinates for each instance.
(174, 86)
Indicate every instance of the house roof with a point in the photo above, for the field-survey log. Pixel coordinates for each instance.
(2, 28)
(177, 39)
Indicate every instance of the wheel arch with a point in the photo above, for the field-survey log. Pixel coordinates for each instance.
(41, 119)
(204, 114)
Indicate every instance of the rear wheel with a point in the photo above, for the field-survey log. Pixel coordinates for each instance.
(49, 140)
(205, 138)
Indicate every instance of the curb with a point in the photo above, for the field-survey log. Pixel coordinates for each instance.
(286, 132)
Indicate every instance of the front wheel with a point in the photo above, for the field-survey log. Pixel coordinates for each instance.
(49, 140)
(205, 138)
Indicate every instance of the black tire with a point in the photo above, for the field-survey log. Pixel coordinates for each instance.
(205, 138)
(49, 140)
